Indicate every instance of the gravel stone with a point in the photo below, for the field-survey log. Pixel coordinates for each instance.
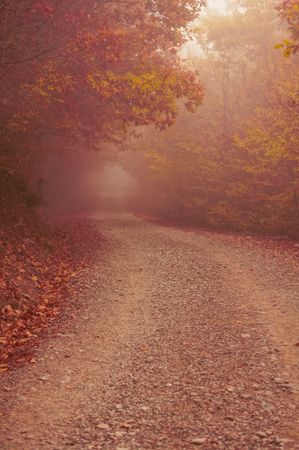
(188, 354)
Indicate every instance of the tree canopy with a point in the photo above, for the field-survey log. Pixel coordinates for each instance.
(235, 162)
(75, 73)
(289, 12)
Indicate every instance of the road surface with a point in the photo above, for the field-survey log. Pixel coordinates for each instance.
(179, 340)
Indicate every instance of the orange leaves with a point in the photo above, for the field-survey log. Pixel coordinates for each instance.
(148, 96)
(53, 80)
(3, 368)
(109, 49)
(36, 282)
(3, 284)
(8, 311)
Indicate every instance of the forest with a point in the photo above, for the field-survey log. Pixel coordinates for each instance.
(78, 77)
(201, 109)
(149, 224)
(198, 105)
(233, 163)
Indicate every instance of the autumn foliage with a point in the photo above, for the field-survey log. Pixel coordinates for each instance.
(74, 75)
(289, 12)
(234, 164)
(41, 265)
(78, 76)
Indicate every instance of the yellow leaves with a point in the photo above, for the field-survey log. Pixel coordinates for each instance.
(47, 89)
(145, 82)
(53, 80)
(147, 96)
(289, 11)
(106, 84)
(34, 278)
(137, 87)
(288, 47)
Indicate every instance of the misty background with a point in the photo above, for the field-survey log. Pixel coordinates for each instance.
(209, 138)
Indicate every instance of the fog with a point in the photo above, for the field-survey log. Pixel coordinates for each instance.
(183, 112)
(115, 188)
(86, 186)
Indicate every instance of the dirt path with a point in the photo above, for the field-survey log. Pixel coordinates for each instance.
(179, 340)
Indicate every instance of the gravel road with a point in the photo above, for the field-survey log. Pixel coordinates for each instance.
(178, 340)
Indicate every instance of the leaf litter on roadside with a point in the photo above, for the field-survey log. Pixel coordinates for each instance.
(39, 264)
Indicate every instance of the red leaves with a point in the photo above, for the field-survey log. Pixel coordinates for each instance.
(43, 8)
(35, 282)
(58, 45)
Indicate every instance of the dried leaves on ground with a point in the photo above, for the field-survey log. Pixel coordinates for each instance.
(39, 266)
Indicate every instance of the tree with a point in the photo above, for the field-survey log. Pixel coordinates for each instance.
(234, 163)
(78, 73)
(289, 12)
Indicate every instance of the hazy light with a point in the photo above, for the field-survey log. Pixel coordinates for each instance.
(220, 5)
(191, 48)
